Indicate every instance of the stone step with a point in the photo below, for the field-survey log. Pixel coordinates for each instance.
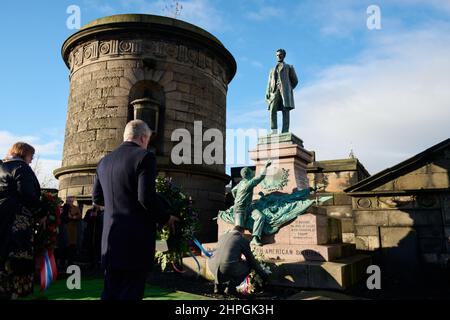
(297, 253)
(337, 275)
(191, 268)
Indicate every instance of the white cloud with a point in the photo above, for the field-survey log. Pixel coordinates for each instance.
(342, 18)
(256, 64)
(253, 63)
(199, 12)
(203, 14)
(42, 165)
(265, 12)
(7, 139)
(389, 104)
(43, 169)
(103, 8)
(51, 148)
(335, 18)
(442, 5)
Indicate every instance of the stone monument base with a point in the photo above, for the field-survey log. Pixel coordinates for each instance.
(289, 161)
(279, 253)
(308, 253)
(337, 275)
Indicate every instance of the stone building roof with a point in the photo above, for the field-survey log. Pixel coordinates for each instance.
(429, 169)
(337, 165)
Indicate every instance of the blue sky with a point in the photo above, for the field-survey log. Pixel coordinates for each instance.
(383, 93)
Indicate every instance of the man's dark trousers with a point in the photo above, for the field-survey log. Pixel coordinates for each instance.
(124, 285)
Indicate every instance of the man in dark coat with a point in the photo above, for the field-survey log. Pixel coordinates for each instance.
(125, 186)
(226, 264)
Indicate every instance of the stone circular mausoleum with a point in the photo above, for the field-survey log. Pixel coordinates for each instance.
(164, 71)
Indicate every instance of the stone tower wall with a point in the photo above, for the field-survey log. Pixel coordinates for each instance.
(186, 72)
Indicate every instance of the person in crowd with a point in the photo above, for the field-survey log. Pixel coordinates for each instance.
(227, 265)
(62, 246)
(93, 235)
(72, 214)
(125, 187)
(19, 209)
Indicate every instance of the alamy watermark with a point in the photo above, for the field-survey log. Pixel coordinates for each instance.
(74, 280)
(374, 17)
(374, 280)
(208, 146)
(73, 22)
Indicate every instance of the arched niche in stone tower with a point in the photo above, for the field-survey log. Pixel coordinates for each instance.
(147, 103)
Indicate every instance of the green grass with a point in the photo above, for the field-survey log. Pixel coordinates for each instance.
(91, 289)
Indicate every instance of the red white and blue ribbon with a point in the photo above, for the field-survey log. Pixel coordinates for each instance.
(48, 269)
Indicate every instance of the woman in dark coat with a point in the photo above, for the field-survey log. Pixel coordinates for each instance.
(19, 203)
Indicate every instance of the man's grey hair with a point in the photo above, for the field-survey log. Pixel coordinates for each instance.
(135, 129)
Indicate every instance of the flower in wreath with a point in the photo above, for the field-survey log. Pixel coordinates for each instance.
(47, 229)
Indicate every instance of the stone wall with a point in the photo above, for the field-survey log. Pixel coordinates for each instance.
(402, 216)
(383, 221)
(336, 176)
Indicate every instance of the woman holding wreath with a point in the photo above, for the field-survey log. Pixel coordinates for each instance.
(19, 208)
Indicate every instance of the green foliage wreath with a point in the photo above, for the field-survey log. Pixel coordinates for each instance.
(179, 242)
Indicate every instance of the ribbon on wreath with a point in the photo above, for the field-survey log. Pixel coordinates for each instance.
(199, 245)
(48, 269)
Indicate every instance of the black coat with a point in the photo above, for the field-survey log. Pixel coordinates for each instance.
(19, 192)
(125, 185)
(227, 263)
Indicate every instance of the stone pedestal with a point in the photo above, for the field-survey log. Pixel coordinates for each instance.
(308, 250)
(289, 161)
(308, 253)
(337, 275)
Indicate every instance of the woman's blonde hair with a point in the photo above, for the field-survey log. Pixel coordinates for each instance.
(21, 150)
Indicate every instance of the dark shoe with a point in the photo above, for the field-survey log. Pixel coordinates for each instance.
(218, 289)
(231, 290)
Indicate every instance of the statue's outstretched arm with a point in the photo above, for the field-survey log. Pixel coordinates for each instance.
(256, 180)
